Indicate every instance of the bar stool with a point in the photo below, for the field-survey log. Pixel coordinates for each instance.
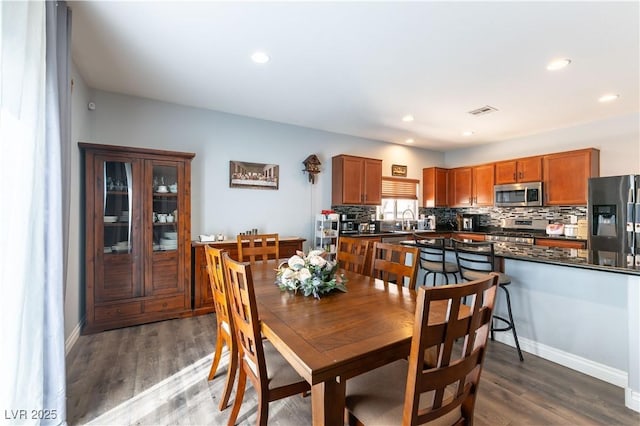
(476, 260)
(432, 259)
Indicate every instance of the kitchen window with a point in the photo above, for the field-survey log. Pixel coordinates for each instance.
(398, 195)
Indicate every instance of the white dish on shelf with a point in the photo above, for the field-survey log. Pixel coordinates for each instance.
(107, 249)
(171, 235)
(555, 229)
(110, 219)
(162, 189)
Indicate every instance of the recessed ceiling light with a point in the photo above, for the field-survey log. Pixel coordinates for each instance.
(409, 141)
(260, 58)
(467, 133)
(558, 64)
(608, 97)
(407, 118)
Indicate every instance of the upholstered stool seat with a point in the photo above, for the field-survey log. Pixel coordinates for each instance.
(432, 259)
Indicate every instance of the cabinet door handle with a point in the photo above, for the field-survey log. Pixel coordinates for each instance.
(514, 176)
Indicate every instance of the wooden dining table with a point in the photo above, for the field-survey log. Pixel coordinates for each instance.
(339, 336)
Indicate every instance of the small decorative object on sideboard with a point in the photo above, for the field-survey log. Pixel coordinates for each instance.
(312, 274)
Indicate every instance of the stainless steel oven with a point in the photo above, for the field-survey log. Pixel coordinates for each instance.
(518, 194)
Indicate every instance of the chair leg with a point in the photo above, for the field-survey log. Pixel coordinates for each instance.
(424, 279)
(513, 324)
(263, 409)
(217, 355)
(231, 376)
(242, 382)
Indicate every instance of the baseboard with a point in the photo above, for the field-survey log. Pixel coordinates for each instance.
(632, 399)
(599, 371)
(73, 337)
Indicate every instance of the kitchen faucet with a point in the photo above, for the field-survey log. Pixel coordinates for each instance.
(413, 216)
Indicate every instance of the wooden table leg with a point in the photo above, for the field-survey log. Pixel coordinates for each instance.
(327, 403)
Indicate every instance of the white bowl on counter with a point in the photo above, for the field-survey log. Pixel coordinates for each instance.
(571, 230)
(555, 229)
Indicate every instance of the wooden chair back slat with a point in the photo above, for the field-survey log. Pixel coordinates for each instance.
(454, 379)
(245, 319)
(260, 247)
(395, 263)
(353, 253)
(216, 273)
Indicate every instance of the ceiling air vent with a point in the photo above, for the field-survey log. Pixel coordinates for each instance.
(483, 110)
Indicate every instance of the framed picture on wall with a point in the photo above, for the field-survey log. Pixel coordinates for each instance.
(398, 170)
(253, 175)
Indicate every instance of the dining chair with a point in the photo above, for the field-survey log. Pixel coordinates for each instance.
(260, 247)
(405, 392)
(224, 329)
(272, 376)
(353, 253)
(475, 260)
(432, 259)
(395, 263)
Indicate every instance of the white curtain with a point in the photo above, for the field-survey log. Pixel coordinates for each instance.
(32, 389)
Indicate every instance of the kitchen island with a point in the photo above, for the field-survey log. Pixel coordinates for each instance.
(578, 308)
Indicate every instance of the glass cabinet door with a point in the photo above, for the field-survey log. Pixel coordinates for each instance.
(118, 232)
(117, 207)
(165, 213)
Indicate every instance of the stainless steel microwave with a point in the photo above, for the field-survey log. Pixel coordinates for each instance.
(518, 194)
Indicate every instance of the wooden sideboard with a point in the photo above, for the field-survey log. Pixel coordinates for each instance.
(200, 288)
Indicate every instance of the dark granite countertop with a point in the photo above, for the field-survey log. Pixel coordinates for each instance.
(586, 259)
(482, 231)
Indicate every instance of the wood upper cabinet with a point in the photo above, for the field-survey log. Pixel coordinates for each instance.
(483, 181)
(566, 174)
(356, 181)
(460, 187)
(434, 187)
(471, 186)
(137, 233)
(520, 170)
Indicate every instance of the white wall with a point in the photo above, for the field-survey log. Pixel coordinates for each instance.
(217, 138)
(618, 140)
(80, 129)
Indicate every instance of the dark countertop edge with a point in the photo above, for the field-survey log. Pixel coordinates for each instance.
(601, 268)
(448, 231)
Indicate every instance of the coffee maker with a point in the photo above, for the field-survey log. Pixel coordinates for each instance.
(348, 224)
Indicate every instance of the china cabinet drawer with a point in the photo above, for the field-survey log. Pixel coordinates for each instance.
(115, 312)
(164, 304)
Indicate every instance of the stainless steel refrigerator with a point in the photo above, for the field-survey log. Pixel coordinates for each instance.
(614, 220)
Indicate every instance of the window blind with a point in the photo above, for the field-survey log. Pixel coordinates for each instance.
(394, 187)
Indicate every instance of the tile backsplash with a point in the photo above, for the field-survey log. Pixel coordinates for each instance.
(491, 216)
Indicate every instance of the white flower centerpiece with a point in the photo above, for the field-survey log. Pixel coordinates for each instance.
(311, 274)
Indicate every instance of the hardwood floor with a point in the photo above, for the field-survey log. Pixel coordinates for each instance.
(156, 374)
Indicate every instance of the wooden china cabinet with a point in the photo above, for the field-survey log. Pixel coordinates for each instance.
(137, 235)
